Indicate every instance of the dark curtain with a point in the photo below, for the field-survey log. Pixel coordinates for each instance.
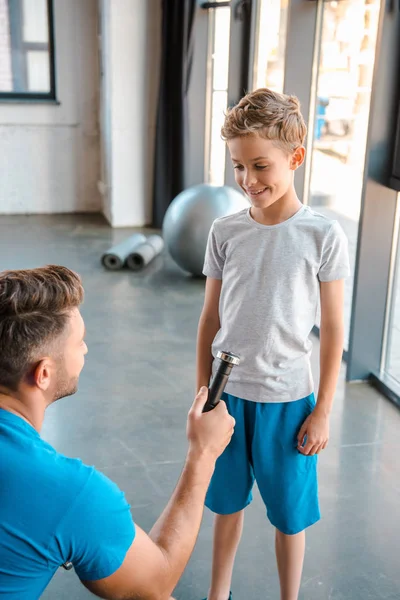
(172, 114)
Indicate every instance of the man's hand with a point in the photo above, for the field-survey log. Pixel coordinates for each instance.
(208, 433)
(316, 429)
(155, 562)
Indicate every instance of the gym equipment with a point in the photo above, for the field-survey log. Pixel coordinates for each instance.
(114, 259)
(145, 253)
(188, 221)
(227, 362)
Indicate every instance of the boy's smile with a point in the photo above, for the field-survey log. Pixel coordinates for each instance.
(255, 193)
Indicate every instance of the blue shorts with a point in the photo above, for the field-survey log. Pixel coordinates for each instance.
(264, 449)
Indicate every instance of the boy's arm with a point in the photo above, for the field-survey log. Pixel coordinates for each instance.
(316, 426)
(209, 325)
(331, 342)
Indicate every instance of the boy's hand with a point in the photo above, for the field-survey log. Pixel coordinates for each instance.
(316, 429)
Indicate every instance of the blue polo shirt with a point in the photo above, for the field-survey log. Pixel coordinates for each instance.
(54, 509)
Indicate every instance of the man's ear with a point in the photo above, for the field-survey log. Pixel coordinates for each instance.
(297, 158)
(41, 374)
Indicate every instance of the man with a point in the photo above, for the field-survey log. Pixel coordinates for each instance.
(54, 509)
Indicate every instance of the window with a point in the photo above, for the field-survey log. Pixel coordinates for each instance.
(220, 20)
(26, 50)
(391, 352)
(345, 75)
(270, 48)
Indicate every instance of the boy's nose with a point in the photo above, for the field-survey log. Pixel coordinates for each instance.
(249, 179)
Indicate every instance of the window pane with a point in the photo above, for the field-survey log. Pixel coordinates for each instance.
(221, 48)
(6, 81)
(35, 28)
(38, 71)
(24, 47)
(220, 25)
(270, 44)
(217, 154)
(392, 366)
(347, 57)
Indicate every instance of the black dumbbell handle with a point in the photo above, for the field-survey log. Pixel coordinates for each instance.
(227, 362)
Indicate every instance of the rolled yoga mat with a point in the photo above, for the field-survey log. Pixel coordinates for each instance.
(114, 259)
(143, 254)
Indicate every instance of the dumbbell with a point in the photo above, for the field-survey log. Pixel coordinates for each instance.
(226, 364)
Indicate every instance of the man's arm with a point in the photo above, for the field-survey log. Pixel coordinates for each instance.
(155, 562)
(208, 327)
(316, 426)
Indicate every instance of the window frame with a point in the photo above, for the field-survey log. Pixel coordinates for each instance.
(51, 95)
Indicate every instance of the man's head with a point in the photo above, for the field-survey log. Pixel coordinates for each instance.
(42, 344)
(265, 134)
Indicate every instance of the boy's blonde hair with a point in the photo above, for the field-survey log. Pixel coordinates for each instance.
(270, 115)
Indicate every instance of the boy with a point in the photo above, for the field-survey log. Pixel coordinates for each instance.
(267, 267)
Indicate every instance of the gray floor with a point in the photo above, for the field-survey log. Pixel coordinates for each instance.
(129, 420)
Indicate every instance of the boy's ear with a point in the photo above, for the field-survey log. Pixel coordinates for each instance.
(297, 158)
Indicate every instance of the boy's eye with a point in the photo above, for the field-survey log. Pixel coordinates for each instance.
(258, 167)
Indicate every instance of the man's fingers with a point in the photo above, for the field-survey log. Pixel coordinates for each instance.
(221, 407)
(200, 400)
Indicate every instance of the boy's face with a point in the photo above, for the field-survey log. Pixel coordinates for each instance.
(263, 171)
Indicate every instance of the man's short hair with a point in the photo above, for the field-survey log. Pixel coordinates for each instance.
(35, 306)
(273, 116)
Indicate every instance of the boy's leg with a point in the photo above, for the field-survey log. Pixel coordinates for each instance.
(290, 558)
(227, 533)
(287, 481)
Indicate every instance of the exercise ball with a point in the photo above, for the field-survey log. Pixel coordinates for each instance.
(188, 221)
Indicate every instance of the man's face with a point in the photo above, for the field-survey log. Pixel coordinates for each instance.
(70, 358)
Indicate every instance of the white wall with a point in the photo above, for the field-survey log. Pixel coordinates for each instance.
(130, 50)
(50, 156)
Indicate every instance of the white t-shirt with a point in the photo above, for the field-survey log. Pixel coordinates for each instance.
(269, 297)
